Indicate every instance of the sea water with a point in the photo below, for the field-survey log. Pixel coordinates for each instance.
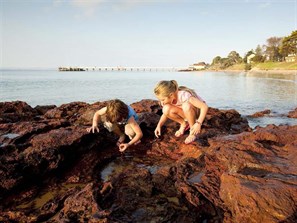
(247, 93)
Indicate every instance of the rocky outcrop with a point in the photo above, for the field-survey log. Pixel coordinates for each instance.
(16, 111)
(261, 113)
(52, 170)
(293, 114)
(254, 175)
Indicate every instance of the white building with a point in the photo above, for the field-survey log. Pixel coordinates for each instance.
(198, 66)
(250, 57)
(291, 58)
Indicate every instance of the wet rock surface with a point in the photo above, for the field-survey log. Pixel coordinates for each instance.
(293, 114)
(52, 170)
(261, 113)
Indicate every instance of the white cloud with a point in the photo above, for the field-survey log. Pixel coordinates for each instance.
(125, 4)
(264, 5)
(57, 3)
(86, 3)
(88, 6)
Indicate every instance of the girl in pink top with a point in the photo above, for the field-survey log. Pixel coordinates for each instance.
(181, 105)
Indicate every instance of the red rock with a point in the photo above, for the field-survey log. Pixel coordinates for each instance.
(16, 111)
(229, 174)
(261, 113)
(293, 114)
(70, 111)
(42, 109)
(255, 179)
(146, 105)
(81, 206)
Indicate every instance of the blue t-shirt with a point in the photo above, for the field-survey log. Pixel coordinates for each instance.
(132, 113)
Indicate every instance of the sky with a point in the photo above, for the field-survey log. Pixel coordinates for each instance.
(142, 33)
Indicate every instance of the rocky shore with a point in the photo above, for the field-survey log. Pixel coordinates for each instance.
(257, 71)
(274, 71)
(52, 170)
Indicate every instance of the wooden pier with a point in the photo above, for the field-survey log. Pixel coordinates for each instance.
(149, 69)
(71, 69)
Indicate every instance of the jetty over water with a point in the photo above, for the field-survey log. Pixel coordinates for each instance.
(121, 68)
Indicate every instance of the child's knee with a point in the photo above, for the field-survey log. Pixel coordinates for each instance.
(186, 106)
(166, 109)
(109, 126)
(129, 131)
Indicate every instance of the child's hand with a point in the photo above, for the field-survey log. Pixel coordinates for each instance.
(157, 131)
(123, 147)
(93, 129)
(196, 129)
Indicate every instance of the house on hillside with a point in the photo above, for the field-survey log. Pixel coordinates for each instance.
(198, 66)
(291, 58)
(250, 57)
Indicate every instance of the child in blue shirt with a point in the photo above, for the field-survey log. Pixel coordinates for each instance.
(115, 113)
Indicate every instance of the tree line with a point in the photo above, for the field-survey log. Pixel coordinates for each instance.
(276, 49)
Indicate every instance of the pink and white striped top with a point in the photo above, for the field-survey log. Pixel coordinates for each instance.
(183, 96)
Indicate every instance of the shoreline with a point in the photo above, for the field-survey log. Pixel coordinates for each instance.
(290, 72)
(258, 71)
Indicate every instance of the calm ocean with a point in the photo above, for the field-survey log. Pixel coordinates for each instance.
(247, 93)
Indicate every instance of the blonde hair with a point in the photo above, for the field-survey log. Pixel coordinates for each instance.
(116, 111)
(165, 88)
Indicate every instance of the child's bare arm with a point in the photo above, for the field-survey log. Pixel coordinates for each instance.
(203, 111)
(136, 139)
(161, 122)
(96, 119)
(136, 128)
(201, 105)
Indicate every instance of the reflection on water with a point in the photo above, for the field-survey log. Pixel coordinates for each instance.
(196, 178)
(245, 92)
(10, 135)
(46, 195)
(121, 164)
(276, 120)
(276, 76)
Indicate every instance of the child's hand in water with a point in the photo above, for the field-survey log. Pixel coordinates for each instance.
(123, 147)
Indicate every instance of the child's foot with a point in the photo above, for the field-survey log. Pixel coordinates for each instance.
(190, 139)
(182, 129)
(121, 140)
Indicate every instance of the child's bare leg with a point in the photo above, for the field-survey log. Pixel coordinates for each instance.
(176, 114)
(190, 113)
(118, 132)
(130, 133)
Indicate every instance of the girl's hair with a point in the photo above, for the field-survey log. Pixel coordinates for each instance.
(165, 88)
(116, 111)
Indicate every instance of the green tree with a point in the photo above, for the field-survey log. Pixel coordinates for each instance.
(289, 44)
(234, 57)
(225, 62)
(259, 57)
(247, 67)
(216, 60)
(272, 49)
(246, 55)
